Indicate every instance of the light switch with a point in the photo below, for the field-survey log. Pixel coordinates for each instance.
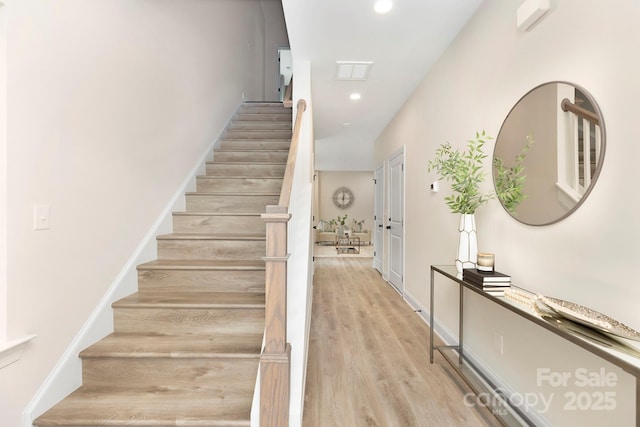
(41, 217)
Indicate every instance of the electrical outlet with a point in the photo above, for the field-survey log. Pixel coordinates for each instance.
(498, 343)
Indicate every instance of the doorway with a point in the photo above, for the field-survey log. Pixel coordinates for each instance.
(395, 224)
(378, 218)
(285, 71)
(3, 172)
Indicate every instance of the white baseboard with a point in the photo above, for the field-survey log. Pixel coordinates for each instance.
(449, 338)
(11, 351)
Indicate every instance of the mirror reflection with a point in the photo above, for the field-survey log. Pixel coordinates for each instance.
(548, 153)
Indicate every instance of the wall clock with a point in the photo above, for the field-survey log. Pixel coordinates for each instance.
(343, 197)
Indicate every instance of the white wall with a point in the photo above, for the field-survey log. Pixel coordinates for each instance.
(299, 269)
(587, 258)
(275, 37)
(360, 183)
(110, 106)
(3, 175)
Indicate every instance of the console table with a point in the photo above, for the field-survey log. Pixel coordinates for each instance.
(583, 337)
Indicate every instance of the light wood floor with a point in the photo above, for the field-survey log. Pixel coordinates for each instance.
(329, 251)
(369, 357)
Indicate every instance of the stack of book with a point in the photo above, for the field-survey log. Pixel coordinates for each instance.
(491, 282)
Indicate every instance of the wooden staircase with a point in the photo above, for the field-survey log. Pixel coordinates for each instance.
(185, 347)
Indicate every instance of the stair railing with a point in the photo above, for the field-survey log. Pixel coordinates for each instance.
(275, 360)
(288, 95)
(583, 150)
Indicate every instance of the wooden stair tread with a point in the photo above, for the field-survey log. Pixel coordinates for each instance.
(255, 120)
(200, 264)
(157, 408)
(213, 162)
(254, 162)
(192, 300)
(176, 346)
(218, 213)
(221, 177)
(231, 128)
(187, 346)
(241, 140)
(245, 118)
(257, 135)
(254, 125)
(252, 150)
(231, 193)
(217, 236)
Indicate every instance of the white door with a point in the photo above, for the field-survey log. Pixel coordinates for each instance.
(378, 218)
(285, 71)
(315, 213)
(396, 221)
(3, 169)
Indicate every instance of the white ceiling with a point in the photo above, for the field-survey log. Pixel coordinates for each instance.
(402, 45)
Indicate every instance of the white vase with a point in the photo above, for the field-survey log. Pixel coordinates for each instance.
(467, 243)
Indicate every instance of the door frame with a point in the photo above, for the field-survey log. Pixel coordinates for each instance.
(402, 154)
(378, 219)
(280, 87)
(4, 18)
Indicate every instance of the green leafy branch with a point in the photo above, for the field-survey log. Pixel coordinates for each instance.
(463, 169)
(341, 220)
(510, 181)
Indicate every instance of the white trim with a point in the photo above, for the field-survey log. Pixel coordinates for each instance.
(413, 302)
(400, 152)
(378, 224)
(93, 328)
(3, 172)
(11, 351)
(449, 338)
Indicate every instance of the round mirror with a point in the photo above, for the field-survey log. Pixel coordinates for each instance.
(549, 153)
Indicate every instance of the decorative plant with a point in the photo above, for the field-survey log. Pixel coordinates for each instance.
(464, 170)
(341, 219)
(510, 180)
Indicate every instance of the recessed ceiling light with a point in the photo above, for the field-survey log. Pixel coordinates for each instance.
(383, 6)
(355, 96)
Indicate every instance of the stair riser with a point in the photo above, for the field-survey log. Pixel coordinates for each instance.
(211, 249)
(126, 373)
(258, 134)
(201, 280)
(230, 203)
(140, 378)
(188, 320)
(211, 224)
(263, 109)
(212, 184)
(266, 117)
(251, 156)
(253, 125)
(253, 170)
(235, 144)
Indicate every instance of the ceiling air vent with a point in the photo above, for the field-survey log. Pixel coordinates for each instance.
(353, 70)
